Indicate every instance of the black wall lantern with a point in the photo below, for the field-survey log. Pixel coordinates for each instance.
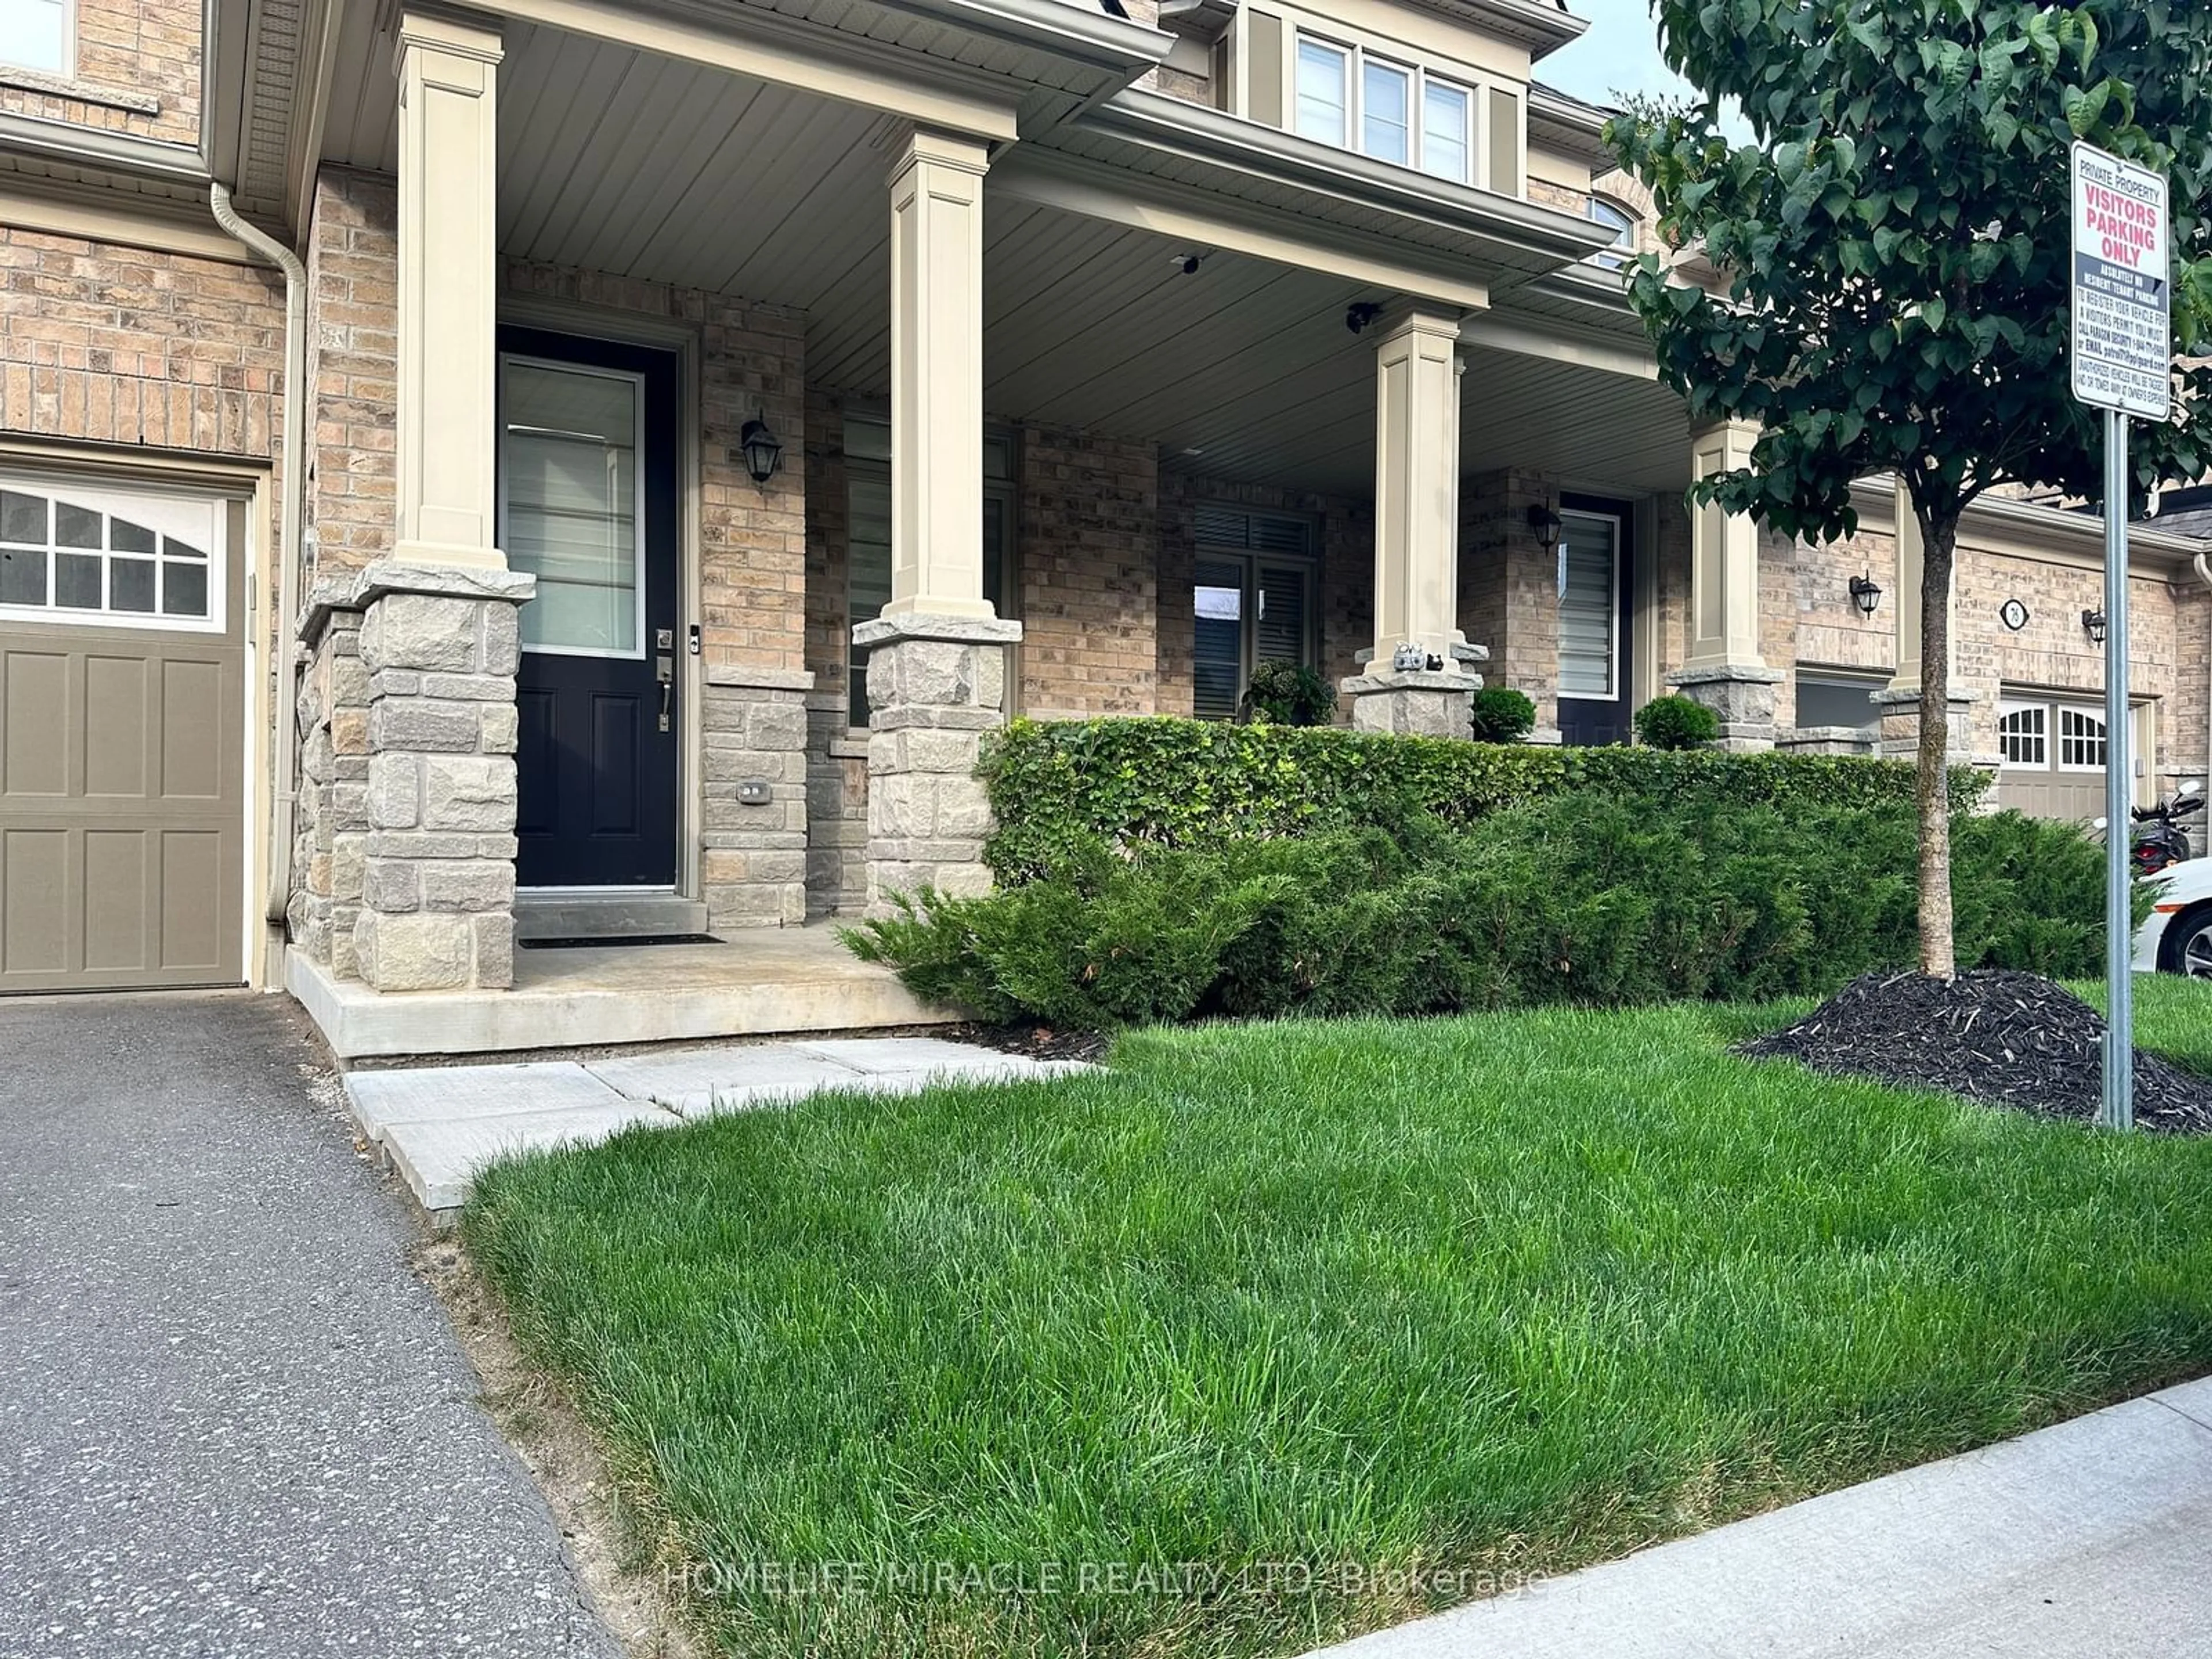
(2093, 624)
(1546, 524)
(1866, 593)
(763, 450)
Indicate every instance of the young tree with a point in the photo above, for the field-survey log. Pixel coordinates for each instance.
(1895, 248)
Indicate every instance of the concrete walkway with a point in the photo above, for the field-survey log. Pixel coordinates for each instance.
(438, 1125)
(2089, 1540)
(232, 1422)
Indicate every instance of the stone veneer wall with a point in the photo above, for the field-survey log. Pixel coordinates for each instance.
(137, 71)
(331, 826)
(836, 759)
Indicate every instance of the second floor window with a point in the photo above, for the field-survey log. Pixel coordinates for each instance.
(1396, 112)
(35, 34)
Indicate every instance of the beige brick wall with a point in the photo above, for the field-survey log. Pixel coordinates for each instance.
(1509, 586)
(130, 53)
(1087, 536)
(836, 764)
(353, 369)
(1829, 630)
(125, 346)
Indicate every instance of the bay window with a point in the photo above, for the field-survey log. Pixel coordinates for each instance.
(1396, 112)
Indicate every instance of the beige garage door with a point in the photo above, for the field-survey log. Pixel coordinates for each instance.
(122, 772)
(2053, 758)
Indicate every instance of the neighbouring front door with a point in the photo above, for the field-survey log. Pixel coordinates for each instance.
(1596, 558)
(588, 504)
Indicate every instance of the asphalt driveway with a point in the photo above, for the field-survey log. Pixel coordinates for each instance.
(231, 1421)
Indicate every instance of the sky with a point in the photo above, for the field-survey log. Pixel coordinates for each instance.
(1620, 54)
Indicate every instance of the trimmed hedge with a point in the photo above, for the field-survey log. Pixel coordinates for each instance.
(1585, 899)
(1060, 788)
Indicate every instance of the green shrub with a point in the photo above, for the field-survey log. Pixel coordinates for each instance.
(1676, 723)
(1290, 694)
(1585, 898)
(1062, 787)
(1503, 715)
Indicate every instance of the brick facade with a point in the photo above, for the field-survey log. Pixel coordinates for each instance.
(1509, 586)
(1087, 533)
(137, 71)
(353, 369)
(140, 348)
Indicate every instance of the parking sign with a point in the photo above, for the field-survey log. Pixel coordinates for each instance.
(2123, 286)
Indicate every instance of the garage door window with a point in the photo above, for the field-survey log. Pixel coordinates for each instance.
(2024, 734)
(96, 557)
(2081, 741)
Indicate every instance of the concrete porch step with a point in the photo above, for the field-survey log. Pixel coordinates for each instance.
(771, 982)
(557, 914)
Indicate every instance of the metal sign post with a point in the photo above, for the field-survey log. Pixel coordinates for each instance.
(2123, 358)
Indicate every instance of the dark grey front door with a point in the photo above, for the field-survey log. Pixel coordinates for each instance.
(589, 503)
(1596, 555)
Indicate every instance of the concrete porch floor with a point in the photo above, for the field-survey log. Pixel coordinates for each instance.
(766, 983)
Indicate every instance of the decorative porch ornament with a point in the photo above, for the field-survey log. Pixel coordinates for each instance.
(764, 450)
(1866, 593)
(2093, 625)
(1409, 659)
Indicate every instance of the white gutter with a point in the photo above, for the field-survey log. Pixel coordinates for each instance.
(2204, 575)
(289, 530)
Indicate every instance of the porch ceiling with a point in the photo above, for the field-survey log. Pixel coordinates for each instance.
(626, 161)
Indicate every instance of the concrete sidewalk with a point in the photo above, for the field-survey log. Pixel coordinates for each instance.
(438, 1125)
(2089, 1540)
(232, 1421)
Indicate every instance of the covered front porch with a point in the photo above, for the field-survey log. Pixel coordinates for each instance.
(1074, 418)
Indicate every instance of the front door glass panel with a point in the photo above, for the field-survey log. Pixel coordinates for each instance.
(573, 505)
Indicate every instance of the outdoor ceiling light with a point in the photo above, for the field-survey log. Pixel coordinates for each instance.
(1866, 593)
(763, 450)
(1547, 525)
(2093, 624)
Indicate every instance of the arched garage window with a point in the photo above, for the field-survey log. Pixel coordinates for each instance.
(110, 557)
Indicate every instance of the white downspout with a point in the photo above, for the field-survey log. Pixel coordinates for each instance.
(289, 531)
(2204, 575)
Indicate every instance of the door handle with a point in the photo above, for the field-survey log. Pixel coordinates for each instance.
(663, 669)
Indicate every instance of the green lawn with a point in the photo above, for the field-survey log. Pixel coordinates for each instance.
(1478, 1297)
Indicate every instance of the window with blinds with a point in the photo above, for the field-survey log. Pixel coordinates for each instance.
(1252, 601)
(1590, 604)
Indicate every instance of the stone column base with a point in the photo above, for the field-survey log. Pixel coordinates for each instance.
(1900, 726)
(330, 823)
(1743, 698)
(440, 646)
(752, 858)
(1417, 703)
(936, 685)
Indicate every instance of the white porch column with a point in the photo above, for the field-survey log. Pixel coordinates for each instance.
(440, 619)
(937, 377)
(1899, 701)
(448, 289)
(1417, 679)
(1725, 670)
(937, 661)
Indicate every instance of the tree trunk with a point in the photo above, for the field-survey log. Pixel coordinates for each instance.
(1932, 790)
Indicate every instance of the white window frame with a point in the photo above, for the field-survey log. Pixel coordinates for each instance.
(1613, 615)
(638, 469)
(65, 69)
(1615, 254)
(143, 505)
(1356, 57)
(2059, 737)
(2008, 707)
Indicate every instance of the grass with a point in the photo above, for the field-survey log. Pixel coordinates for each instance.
(1420, 1308)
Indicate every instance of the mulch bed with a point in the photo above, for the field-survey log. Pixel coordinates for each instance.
(1037, 1041)
(2004, 1039)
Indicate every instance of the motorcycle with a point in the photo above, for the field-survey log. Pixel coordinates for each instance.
(2158, 839)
